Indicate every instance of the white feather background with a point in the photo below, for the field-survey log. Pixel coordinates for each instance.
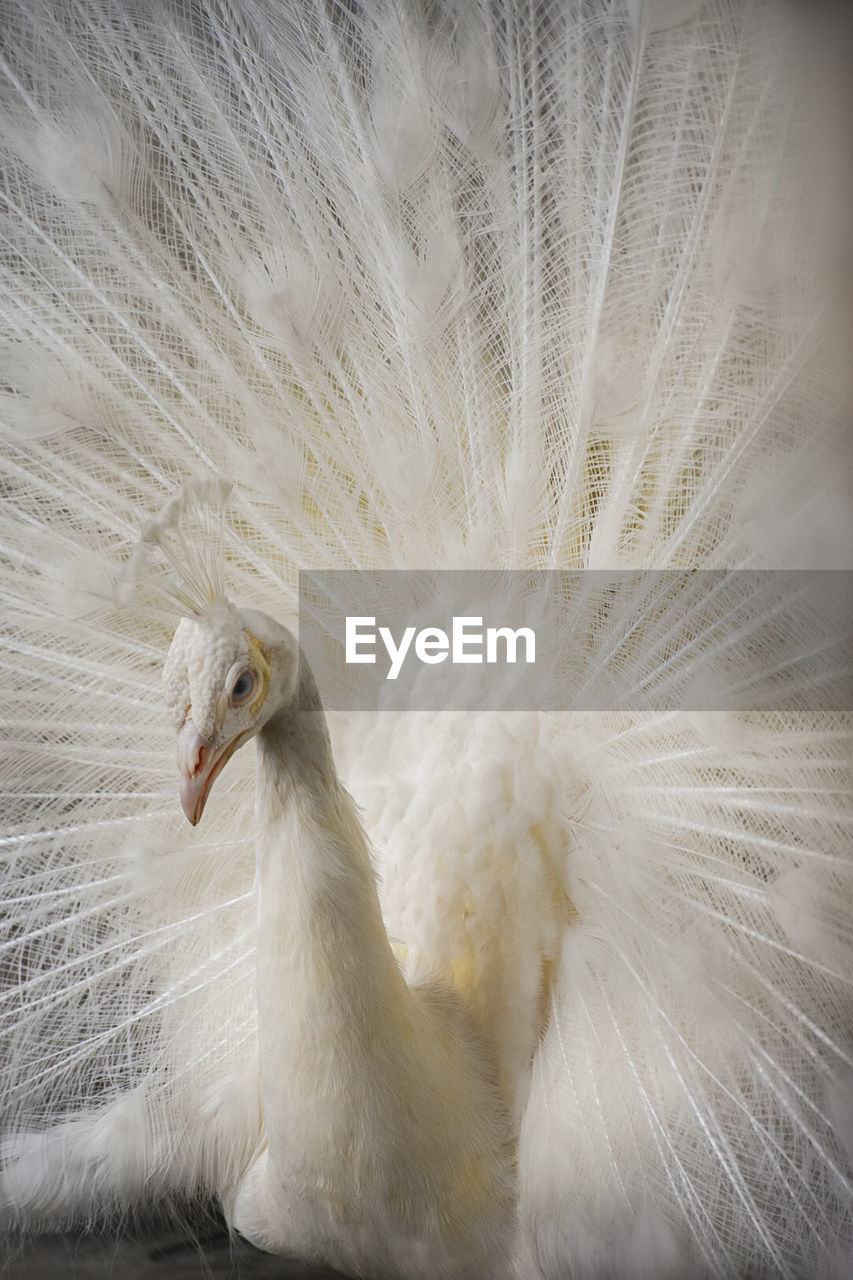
(453, 285)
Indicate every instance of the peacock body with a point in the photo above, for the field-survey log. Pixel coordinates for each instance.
(466, 285)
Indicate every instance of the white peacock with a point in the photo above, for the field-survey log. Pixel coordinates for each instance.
(460, 285)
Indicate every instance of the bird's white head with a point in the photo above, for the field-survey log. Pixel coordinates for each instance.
(228, 671)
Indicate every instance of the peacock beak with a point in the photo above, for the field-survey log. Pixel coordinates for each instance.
(199, 764)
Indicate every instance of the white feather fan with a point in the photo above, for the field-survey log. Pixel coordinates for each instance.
(453, 285)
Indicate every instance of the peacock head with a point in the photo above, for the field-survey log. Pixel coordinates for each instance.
(228, 671)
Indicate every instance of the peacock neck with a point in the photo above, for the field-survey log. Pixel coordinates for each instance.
(330, 994)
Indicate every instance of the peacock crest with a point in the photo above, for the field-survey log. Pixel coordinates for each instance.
(177, 567)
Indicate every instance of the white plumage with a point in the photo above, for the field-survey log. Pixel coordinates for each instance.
(464, 285)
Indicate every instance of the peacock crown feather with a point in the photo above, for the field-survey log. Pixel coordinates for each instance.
(177, 567)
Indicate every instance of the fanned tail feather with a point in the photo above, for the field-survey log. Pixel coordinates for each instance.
(456, 286)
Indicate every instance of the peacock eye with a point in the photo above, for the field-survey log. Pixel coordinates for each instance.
(243, 688)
